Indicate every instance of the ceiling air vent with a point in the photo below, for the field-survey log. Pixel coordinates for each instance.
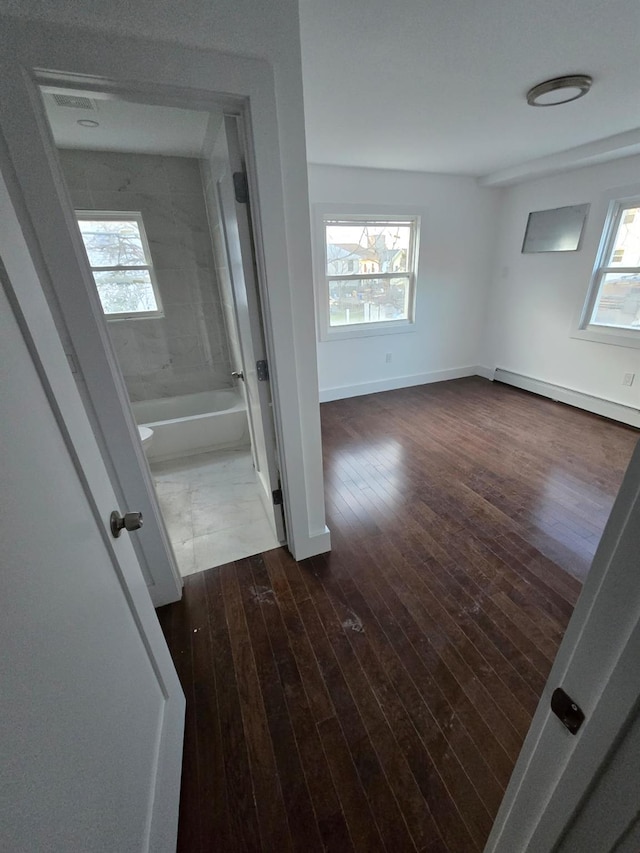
(75, 101)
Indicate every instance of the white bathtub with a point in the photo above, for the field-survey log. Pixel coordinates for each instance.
(193, 423)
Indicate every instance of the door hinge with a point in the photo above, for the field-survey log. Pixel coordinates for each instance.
(277, 497)
(241, 187)
(262, 369)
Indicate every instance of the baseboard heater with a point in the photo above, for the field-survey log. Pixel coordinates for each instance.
(561, 394)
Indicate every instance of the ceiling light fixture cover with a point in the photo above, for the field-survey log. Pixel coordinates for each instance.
(87, 122)
(560, 90)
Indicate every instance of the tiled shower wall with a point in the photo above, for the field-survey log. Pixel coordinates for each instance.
(187, 350)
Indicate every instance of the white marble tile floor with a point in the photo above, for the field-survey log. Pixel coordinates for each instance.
(212, 509)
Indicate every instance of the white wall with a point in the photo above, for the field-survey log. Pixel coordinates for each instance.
(535, 297)
(458, 222)
(267, 31)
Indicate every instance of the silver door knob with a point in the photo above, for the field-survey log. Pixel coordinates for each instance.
(239, 374)
(130, 521)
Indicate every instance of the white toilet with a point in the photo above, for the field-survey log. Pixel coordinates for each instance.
(146, 437)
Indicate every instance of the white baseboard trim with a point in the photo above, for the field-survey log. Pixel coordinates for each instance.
(319, 543)
(343, 391)
(598, 405)
(485, 372)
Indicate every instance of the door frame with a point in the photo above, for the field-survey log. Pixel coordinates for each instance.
(154, 72)
(241, 256)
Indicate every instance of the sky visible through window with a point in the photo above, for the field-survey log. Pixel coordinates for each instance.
(396, 236)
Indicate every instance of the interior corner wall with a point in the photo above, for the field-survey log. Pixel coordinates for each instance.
(535, 298)
(458, 232)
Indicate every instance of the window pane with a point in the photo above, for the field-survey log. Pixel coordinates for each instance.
(112, 242)
(125, 291)
(618, 302)
(626, 247)
(362, 248)
(368, 300)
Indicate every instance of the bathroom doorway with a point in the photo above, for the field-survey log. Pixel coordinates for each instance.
(164, 218)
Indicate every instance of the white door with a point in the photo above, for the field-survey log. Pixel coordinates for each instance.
(579, 793)
(227, 162)
(91, 710)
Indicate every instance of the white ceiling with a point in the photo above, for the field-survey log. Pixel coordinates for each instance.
(131, 127)
(439, 85)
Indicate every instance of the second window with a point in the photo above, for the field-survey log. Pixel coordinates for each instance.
(370, 271)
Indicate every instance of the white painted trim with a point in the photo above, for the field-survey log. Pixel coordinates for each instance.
(485, 372)
(343, 391)
(318, 543)
(359, 212)
(608, 207)
(572, 397)
(579, 399)
(601, 151)
(370, 330)
(610, 335)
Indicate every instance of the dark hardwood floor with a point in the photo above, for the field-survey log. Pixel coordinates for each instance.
(376, 698)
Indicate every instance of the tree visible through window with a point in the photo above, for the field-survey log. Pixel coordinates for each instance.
(119, 257)
(370, 270)
(614, 298)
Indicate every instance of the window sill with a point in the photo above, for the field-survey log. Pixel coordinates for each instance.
(369, 330)
(138, 315)
(609, 335)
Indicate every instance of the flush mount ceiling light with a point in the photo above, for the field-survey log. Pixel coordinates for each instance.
(560, 90)
(87, 122)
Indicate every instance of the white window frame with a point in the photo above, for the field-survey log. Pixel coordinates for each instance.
(126, 216)
(583, 328)
(325, 212)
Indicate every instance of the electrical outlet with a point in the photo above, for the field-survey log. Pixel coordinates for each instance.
(628, 378)
(388, 358)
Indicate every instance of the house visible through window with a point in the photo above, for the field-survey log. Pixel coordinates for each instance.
(369, 270)
(120, 260)
(614, 297)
